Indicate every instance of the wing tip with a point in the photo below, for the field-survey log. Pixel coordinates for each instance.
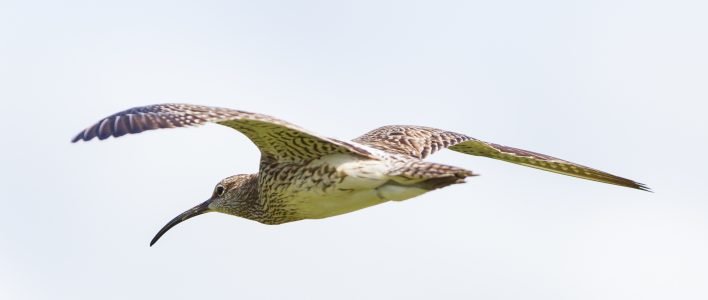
(76, 138)
(642, 187)
(79, 137)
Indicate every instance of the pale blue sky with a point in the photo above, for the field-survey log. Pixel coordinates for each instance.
(617, 85)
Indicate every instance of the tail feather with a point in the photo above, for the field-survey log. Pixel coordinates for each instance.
(434, 173)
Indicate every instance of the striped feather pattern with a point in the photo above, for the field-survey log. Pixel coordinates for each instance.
(274, 137)
(418, 142)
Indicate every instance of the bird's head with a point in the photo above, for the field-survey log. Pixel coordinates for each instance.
(233, 195)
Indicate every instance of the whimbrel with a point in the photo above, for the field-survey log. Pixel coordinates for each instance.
(303, 175)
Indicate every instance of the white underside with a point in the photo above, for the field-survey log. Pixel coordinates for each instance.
(366, 184)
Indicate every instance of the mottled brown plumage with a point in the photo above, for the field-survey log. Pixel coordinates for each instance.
(303, 175)
(419, 142)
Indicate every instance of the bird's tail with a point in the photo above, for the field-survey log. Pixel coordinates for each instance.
(429, 175)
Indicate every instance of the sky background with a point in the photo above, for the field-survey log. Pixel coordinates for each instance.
(617, 85)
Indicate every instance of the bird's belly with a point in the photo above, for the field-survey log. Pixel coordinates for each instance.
(340, 183)
(318, 206)
(323, 206)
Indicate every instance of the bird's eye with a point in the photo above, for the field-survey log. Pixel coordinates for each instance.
(219, 190)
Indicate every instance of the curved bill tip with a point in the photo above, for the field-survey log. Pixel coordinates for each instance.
(192, 212)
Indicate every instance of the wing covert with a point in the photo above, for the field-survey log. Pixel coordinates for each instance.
(274, 137)
(418, 142)
(412, 141)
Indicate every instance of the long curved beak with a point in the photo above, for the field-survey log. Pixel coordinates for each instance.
(192, 212)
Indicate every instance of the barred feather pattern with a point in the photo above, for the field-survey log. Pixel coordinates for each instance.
(301, 172)
(274, 137)
(411, 141)
(418, 142)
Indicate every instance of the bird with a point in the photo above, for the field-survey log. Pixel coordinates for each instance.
(304, 175)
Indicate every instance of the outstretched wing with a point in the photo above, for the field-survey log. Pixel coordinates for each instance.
(419, 142)
(275, 138)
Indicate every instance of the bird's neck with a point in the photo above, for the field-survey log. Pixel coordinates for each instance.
(248, 204)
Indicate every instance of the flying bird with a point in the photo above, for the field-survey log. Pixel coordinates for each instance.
(303, 175)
